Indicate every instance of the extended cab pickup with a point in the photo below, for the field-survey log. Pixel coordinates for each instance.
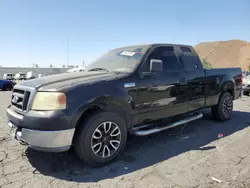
(138, 90)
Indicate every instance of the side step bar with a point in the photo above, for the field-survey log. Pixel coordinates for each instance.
(140, 132)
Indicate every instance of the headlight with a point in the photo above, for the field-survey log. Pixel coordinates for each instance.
(49, 101)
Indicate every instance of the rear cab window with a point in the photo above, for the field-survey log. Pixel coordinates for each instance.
(190, 61)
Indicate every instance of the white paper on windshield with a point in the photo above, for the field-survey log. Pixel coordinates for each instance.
(128, 53)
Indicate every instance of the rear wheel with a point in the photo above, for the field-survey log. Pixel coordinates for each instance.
(101, 138)
(223, 110)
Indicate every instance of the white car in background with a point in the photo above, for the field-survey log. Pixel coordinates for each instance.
(77, 69)
(246, 85)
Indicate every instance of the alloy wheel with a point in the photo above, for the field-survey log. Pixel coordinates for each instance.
(106, 139)
(227, 106)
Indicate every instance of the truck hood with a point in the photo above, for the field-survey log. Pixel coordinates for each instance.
(57, 81)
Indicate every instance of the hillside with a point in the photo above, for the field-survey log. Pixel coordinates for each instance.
(220, 54)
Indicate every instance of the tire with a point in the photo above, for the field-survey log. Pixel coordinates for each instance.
(223, 110)
(88, 136)
(245, 92)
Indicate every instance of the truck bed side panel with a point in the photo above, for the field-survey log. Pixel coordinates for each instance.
(217, 79)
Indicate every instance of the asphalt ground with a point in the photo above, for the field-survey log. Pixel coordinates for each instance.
(191, 159)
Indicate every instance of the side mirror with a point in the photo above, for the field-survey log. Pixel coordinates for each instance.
(156, 65)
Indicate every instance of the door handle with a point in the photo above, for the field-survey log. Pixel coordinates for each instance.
(183, 81)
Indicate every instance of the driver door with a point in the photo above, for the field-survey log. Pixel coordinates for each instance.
(163, 94)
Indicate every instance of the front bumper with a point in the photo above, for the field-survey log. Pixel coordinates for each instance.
(42, 140)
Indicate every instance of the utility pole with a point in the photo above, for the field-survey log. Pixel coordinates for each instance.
(67, 50)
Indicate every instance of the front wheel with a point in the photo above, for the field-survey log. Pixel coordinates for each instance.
(100, 138)
(223, 110)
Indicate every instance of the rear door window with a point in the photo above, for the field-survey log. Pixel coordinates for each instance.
(189, 60)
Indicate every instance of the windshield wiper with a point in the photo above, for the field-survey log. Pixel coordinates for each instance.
(98, 69)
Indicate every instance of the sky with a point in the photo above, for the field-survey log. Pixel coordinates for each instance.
(58, 32)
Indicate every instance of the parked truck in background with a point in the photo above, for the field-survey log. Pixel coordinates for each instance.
(8, 76)
(31, 75)
(137, 90)
(20, 76)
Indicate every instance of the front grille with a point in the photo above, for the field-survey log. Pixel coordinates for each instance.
(20, 99)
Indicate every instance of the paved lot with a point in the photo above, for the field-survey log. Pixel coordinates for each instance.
(187, 160)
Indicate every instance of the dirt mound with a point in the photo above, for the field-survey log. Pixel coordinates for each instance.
(221, 54)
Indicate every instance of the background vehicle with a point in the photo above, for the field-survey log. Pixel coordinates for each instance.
(8, 76)
(6, 85)
(140, 90)
(20, 76)
(245, 73)
(40, 75)
(78, 69)
(246, 85)
(31, 75)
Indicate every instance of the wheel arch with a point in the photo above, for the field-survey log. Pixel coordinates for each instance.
(228, 86)
(108, 104)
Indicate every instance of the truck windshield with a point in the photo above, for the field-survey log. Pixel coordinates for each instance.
(121, 60)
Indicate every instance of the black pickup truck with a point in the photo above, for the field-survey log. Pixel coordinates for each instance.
(139, 90)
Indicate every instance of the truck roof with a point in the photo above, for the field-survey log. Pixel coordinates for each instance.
(169, 44)
(154, 44)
